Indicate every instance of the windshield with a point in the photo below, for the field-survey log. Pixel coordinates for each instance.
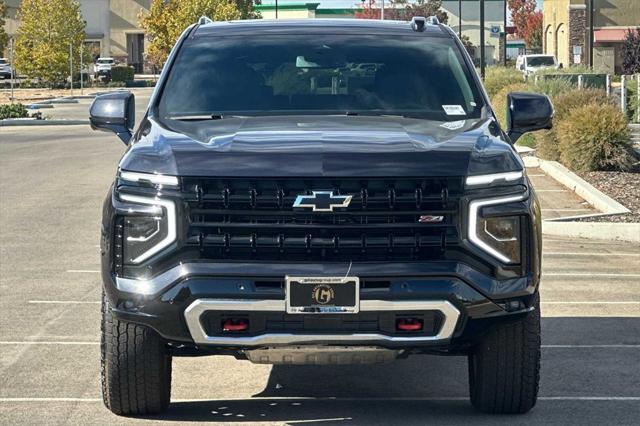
(3, 62)
(105, 61)
(325, 74)
(540, 61)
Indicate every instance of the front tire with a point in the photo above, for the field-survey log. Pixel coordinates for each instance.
(504, 369)
(135, 368)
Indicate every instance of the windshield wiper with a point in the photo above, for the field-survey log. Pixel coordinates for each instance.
(201, 117)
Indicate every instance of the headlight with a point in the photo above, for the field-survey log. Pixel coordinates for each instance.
(146, 235)
(498, 236)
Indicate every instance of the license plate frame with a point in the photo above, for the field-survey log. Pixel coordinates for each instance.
(338, 291)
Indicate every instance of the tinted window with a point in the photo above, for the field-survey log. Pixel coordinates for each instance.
(323, 74)
(540, 61)
(2, 62)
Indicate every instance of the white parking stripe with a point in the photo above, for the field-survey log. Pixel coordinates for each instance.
(26, 342)
(64, 302)
(565, 210)
(83, 271)
(558, 253)
(339, 399)
(551, 190)
(580, 274)
(585, 302)
(92, 343)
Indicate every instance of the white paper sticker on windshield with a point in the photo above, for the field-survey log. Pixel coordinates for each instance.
(453, 125)
(453, 110)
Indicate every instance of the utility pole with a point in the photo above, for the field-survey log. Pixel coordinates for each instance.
(482, 58)
(276, 9)
(13, 70)
(81, 75)
(71, 65)
(382, 10)
(504, 40)
(460, 19)
(591, 34)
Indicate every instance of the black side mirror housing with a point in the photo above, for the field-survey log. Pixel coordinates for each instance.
(114, 112)
(527, 112)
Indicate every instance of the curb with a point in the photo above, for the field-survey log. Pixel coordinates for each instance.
(584, 189)
(12, 122)
(566, 226)
(594, 230)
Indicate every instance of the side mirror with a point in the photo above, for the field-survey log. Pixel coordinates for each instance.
(527, 112)
(114, 112)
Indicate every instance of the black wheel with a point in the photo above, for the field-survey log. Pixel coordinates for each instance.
(504, 369)
(135, 369)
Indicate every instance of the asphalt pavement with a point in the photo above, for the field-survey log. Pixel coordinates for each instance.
(52, 183)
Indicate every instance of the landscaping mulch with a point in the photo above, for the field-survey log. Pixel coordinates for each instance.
(624, 187)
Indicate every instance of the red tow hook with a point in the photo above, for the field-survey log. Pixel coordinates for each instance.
(235, 324)
(409, 324)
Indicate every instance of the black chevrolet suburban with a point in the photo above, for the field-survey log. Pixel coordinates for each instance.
(320, 192)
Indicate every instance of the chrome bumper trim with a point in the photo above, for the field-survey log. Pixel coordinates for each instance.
(197, 308)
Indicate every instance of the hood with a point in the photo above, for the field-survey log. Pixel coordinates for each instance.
(299, 146)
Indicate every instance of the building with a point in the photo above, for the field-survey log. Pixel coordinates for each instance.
(566, 32)
(336, 9)
(113, 30)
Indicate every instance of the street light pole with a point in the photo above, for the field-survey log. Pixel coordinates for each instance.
(71, 65)
(13, 69)
(460, 18)
(504, 29)
(276, 9)
(591, 34)
(482, 58)
(382, 10)
(81, 76)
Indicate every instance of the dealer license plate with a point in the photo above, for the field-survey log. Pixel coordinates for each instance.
(322, 295)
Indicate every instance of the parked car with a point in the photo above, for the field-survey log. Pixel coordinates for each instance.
(5, 69)
(530, 64)
(285, 210)
(102, 67)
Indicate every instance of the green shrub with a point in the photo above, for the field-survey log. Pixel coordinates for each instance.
(13, 111)
(548, 144)
(497, 77)
(552, 86)
(595, 137)
(499, 101)
(122, 73)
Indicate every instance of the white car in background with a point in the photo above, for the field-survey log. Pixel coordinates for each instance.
(102, 67)
(530, 64)
(5, 68)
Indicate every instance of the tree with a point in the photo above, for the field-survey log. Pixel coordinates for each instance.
(403, 10)
(527, 20)
(47, 29)
(631, 52)
(167, 19)
(4, 38)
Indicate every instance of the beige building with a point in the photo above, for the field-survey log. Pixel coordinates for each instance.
(566, 33)
(112, 28)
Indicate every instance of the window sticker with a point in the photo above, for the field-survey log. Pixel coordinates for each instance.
(453, 110)
(453, 125)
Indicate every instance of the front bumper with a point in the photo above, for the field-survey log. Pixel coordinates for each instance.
(177, 302)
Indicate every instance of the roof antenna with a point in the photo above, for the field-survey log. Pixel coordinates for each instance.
(204, 20)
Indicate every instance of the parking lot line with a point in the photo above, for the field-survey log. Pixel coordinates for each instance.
(83, 271)
(582, 274)
(95, 342)
(585, 302)
(346, 399)
(64, 302)
(558, 253)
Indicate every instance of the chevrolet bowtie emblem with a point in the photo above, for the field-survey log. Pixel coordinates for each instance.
(322, 201)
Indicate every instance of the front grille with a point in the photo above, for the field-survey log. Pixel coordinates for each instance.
(254, 219)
